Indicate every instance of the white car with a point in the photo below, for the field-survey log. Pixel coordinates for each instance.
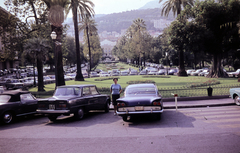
(153, 72)
(124, 73)
(190, 71)
(234, 74)
(203, 72)
(104, 74)
(195, 73)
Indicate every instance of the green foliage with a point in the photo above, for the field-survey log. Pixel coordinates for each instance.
(140, 81)
(156, 76)
(107, 78)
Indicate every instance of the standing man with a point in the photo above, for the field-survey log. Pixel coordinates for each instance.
(116, 90)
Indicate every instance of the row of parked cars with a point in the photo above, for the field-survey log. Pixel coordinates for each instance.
(205, 72)
(79, 100)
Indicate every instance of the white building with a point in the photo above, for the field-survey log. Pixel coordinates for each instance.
(107, 47)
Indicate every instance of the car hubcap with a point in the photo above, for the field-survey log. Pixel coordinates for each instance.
(7, 118)
(237, 100)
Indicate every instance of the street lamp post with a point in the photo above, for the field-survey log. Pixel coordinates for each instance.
(54, 36)
(56, 18)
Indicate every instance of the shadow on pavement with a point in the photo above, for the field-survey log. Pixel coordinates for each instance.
(170, 118)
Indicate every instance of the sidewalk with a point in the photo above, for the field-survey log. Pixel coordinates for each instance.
(197, 103)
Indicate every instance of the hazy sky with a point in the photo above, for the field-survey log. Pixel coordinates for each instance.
(111, 6)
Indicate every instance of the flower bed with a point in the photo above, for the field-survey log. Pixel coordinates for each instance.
(202, 84)
(140, 81)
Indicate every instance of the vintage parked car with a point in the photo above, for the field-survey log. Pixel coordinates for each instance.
(13, 84)
(140, 99)
(73, 99)
(16, 103)
(234, 74)
(235, 95)
(104, 74)
(94, 74)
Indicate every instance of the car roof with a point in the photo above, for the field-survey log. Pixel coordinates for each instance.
(80, 85)
(14, 92)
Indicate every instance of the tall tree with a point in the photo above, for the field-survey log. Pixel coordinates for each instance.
(80, 9)
(176, 6)
(90, 27)
(38, 48)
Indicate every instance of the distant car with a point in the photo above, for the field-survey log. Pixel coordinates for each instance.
(16, 103)
(235, 95)
(73, 99)
(161, 72)
(140, 99)
(104, 74)
(234, 74)
(143, 72)
(172, 71)
(1, 89)
(13, 84)
(98, 70)
(203, 72)
(195, 73)
(124, 73)
(153, 72)
(26, 83)
(115, 74)
(189, 71)
(93, 74)
(133, 72)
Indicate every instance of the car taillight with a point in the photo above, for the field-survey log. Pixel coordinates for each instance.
(121, 104)
(157, 103)
(62, 105)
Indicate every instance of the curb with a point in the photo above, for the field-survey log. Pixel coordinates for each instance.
(194, 98)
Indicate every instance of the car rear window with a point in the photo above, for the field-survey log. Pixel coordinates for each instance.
(140, 91)
(4, 98)
(67, 92)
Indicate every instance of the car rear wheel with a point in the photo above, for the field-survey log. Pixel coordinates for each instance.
(7, 117)
(236, 101)
(79, 114)
(107, 107)
(52, 117)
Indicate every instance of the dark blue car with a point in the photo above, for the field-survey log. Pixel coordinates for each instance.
(140, 99)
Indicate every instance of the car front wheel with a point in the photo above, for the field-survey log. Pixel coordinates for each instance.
(236, 101)
(7, 117)
(79, 114)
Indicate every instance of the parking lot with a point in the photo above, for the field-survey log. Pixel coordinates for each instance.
(188, 130)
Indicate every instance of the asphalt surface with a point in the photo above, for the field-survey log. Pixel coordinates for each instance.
(191, 130)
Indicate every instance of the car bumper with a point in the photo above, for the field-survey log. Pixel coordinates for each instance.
(53, 111)
(139, 112)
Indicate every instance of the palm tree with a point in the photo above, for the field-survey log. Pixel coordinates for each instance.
(38, 47)
(139, 26)
(80, 9)
(90, 27)
(176, 6)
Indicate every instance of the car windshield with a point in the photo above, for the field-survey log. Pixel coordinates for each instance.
(4, 98)
(140, 91)
(68, 92)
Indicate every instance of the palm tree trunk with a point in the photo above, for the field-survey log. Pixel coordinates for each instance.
(89, 49)
(40, 72)
(79, 76)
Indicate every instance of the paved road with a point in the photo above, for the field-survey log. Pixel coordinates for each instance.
(192, 130)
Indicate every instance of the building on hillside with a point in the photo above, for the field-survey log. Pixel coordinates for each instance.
(107, 47)
(6, 63)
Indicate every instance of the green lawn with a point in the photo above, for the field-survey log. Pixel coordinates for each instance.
(165, 85)
(173, 81)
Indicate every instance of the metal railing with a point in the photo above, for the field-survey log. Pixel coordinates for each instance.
(167, 92)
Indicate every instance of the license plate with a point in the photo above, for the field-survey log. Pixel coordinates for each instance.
(52, 107)
(139, 108)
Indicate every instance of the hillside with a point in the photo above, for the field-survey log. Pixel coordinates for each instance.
(151, 5)
(118, 21)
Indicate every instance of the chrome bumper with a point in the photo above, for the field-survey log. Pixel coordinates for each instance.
(53, 111)
(139, 112)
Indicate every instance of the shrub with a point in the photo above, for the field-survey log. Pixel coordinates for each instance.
(156, 76)
(108, 78)
(202, 84)
(140, 81)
